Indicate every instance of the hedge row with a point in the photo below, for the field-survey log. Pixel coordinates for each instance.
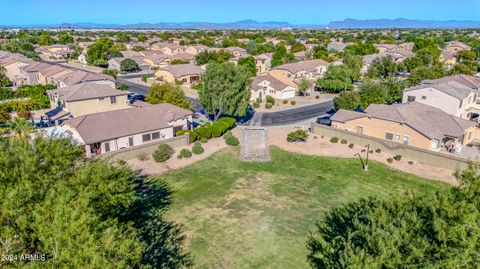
(208, 131)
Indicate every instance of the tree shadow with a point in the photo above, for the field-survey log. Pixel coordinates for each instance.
(164, 239)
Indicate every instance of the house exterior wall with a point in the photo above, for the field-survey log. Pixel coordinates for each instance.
(167, 76)
(84, 107)
(269, 90)
(61, 84)
(284, 76)
(14, 72)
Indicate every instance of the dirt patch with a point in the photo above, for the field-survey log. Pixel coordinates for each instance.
(323, 147)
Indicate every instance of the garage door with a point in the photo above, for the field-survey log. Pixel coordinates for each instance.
(288, 94)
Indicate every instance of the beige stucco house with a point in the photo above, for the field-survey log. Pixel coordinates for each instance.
(54, 52)
(83, 99)
(79, 76)
(413, 124)
(293, 72)
(183, 73)
(14, 64)
(263, 63)
(269, 85)
(115, 130)
(456, 95)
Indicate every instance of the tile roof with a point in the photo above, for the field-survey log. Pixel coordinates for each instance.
(85, 91)
(180, 70)
(106, 126)
(273, 82)
(308, 65)
(79, 76)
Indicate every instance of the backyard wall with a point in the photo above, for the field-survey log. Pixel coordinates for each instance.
(393, 148)
(147, 149)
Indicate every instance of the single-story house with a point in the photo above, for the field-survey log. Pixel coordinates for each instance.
(184, 73)
(412, 123)
(115, 130)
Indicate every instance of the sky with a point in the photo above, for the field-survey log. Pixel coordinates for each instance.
(42, 12)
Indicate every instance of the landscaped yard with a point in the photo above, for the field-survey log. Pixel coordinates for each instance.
(258, 215)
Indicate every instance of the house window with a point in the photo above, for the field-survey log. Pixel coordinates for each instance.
(398, 137)
(130, 141)
(155, 135)
(469, 135)
(107, 146)
(389, 136)
(460, 105)
(146, 137)
(411, 98)
(405, 140)
(434, 144)
(424, 97)
(101, 99)
(113, 99)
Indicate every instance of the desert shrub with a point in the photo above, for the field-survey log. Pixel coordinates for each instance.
(185, 153)
(285, 102)
(378, 150)
(314, 137)
(256, 105)
(181, 132)
(293, 103)
(351, 145)
(121, 162)
(370, 151)
(344, 141)
(270, 100)
(143, 157)
(203, 140)
(231, 140)
(179, 157)
(334, 139)
(197, 148)
(322, 136)
(363, 150)
(297, 136)
(163, 153)
(397, 157)
(410, 162)
(317, 97)
(268, 105)
(390, 160)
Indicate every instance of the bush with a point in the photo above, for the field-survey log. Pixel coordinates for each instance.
(351, 146)
(410, 162)
(230, 122)
(390, 160)
(197, 148)
(185, 153)
(293, 103)
(256, 105)
(334, 139)
(181, 132)
(231, 140)
(270, 100)
(297, 136)
(268, 105)
(204, 140)
(285, 102)
(378, 150)
(317, 97)
(203, 132)
(143, 157)
(343, 141)
(397, 157)
(163, 153)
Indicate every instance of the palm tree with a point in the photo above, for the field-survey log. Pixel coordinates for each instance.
(20, 127)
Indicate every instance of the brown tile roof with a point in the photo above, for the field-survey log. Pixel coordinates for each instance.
(180, 70)
(308, 65)
(106, 126)
(273, 82)
(85, 91)
(79, 76)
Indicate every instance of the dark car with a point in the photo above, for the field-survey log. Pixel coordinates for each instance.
(136, 97)
(326, 120)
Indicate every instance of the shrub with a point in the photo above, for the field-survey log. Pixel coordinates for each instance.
(197, 148)
(371, 151)
(314, 137)
(293, 103)
(297, 136)
(179, 157)
(285, 102)
(181, 132)
(317, 97)
(163, 153)
(231, 140)
(185, 153)
(268, 105)
(351, 145)
(364, 150)
(204, 140)
(203, 132)
(228, 120)
(121, 162)
(344, 141)
(334, 139)
(322, 136)
(256, 105)
(378, 150)
(410, 162)
(143, 157)
(390, 160)
(397, 157)
(270, 100)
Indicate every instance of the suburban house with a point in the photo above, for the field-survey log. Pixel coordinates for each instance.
(456, 95)
(13, 64)
(269, 85)
(116, 63)
(337, 46)
(449, 53)
(263, 63)
(398, 56)
(293, 72)
(402, 47)
(43, 73)
(184, 73)
(195, 49)
(83, 99)
(413, 124)
(54, 52)
(168, 48)
(115, 130)
(79, 76)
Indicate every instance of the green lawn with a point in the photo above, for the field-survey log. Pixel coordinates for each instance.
(258, 215)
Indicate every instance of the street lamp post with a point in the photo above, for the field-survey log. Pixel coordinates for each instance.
(365, 167)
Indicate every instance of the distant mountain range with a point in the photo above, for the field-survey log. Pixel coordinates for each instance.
(251, 24)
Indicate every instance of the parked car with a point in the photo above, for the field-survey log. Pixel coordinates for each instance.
(136, 97)
(326, 120)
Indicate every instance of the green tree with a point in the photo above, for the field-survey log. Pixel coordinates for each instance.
(438, 231)
(354, 63)
(347, 100)
(226, 90)
(362, 48)
(281, 56)
(382, 67)
(129, 65)
(337, 78)
(110, 72)
(424, 72)
(98, 51)
(65, 38)
(297, 47)
(45, 39)
(304, 86)
(138, 48)
(411, 63)
(249, 64)
(20, 127)
(206, 57)
(167, 93)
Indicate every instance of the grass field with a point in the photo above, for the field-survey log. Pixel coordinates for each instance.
(258, 215)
